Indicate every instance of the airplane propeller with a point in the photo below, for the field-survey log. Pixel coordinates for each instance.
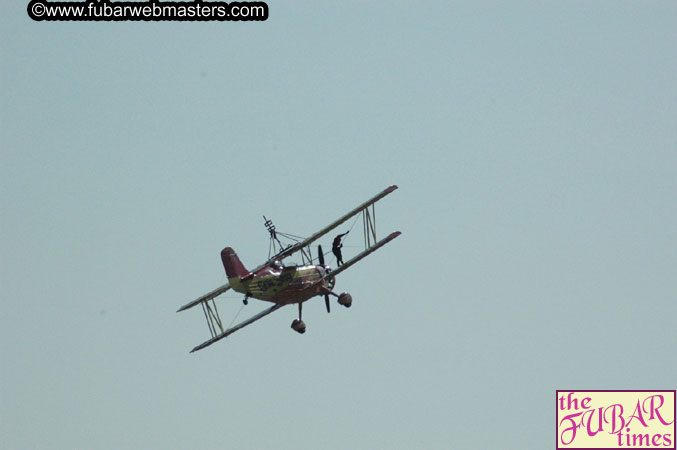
(320, 257)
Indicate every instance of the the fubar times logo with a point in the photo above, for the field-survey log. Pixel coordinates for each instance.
(615, 419)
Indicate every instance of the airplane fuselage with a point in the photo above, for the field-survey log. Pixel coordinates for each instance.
(286, 285)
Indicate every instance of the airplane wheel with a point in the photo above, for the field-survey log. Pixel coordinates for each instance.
(299, 326)
(345, 299)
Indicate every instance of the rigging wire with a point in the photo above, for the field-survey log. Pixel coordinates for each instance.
(291, 236)
(295, 238)
(351, 227)
(236, 316)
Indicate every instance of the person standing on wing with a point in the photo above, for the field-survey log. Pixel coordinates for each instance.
(336, 248)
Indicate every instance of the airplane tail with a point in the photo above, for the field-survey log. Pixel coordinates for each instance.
(232, 264)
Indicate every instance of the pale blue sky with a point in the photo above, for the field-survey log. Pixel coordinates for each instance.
(534, 144)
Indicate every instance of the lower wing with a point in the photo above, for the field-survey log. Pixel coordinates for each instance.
(240, 325)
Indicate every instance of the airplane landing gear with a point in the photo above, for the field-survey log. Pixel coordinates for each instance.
(345, 299)
(298, 325)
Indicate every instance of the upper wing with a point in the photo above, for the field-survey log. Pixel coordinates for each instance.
(240, 325)
(363, 254)
(300, 245)
(215, 293)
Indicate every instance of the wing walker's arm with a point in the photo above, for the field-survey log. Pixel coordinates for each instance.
(232, 330)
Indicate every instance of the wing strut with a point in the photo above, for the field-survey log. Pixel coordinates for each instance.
(240, 325)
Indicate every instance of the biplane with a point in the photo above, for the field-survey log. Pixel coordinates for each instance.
(283, 285)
